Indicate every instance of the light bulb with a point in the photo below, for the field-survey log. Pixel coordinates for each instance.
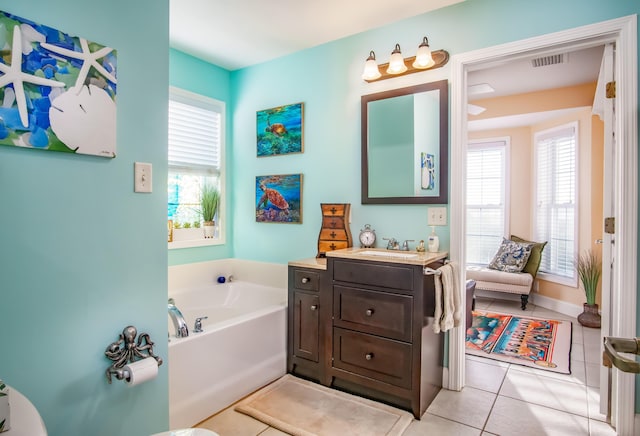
(396, 62)
(371, 70)
(423, 59)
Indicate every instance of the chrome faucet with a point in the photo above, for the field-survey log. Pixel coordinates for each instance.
(182, 331)
(405, 245)
(393, 244)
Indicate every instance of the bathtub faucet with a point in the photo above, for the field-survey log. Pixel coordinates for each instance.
(178, 320)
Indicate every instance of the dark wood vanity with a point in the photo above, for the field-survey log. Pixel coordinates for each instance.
(364, 325)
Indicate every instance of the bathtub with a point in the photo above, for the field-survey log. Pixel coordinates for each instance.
(242, 347)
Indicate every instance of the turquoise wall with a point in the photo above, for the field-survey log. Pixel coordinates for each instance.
(82, 256)
(195, 75)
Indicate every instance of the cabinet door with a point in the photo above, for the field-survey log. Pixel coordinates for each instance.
(305, 325)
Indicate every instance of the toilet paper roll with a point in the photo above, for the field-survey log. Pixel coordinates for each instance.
(141, 371)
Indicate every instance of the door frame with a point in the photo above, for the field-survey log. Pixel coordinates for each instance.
(623, 32)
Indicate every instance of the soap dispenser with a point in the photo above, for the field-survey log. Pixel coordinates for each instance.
(433, 243)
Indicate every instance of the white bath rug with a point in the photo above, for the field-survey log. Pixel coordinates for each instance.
(303, 408)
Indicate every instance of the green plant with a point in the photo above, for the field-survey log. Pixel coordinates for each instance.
(186, 225)
(176, 225)
(196, 224)
(209, 202)
(589, 269)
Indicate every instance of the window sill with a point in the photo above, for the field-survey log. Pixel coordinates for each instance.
(191, 238)
(566, 281)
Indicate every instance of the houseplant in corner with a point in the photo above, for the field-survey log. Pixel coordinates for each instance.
(209, 202)
(589, 269)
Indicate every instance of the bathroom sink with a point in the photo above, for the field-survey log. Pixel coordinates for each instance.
(395, 254)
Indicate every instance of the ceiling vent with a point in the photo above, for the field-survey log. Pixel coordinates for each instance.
(548, 60)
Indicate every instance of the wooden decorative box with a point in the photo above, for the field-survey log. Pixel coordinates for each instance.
(335, 233)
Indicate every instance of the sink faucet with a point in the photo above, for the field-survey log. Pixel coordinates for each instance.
(405, 245)
(178, 320)
(393, 244)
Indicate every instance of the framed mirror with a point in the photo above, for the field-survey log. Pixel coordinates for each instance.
(405, 143)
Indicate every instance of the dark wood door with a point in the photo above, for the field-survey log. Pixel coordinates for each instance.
(306, 323)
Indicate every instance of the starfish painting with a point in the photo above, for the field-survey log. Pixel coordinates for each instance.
(13, 74)
(88, 57)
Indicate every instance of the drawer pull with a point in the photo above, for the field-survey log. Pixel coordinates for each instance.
(368, 356)
(305, 280)
(369, 312)
(314, 307)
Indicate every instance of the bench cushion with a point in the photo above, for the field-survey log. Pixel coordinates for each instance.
(494, 280)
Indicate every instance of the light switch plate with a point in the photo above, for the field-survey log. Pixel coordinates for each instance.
(436, 216)
(142, 177)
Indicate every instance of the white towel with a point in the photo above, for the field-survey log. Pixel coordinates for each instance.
(447, 290)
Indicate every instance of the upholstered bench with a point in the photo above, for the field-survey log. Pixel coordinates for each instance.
(488, 279)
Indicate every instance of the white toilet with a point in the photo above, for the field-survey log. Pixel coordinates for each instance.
(187, 432)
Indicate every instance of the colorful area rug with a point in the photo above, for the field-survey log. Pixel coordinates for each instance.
(302, 408)
(538, 343)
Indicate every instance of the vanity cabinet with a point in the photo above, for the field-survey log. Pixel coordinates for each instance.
(383, 344)
(366, 327)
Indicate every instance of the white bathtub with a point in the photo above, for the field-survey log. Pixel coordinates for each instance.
(242, 348)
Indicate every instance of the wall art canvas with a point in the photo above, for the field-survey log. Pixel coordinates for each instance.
(279, 199)
(427, 171)
(57, 91)
(280, 130)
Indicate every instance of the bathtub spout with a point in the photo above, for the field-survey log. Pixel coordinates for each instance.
(178, 321)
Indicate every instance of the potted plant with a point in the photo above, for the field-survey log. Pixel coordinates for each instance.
(209, 202)
(589, 269)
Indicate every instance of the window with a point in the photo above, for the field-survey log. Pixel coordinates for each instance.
(196, 149)
(555, 209)
(487, 181)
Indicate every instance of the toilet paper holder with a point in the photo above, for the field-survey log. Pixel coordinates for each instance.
(127, 350)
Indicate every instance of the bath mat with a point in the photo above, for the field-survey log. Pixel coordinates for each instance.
(303, 408)
(538, 343)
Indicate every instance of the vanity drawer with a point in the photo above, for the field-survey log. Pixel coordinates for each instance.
(374, 273)
(381, 359)
(306, 280)
(374, 312)
(332, 222)
(337, 209)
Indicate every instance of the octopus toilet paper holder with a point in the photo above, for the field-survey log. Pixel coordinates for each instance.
(127, 350)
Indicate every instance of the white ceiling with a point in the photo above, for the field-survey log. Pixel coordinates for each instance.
(238, 33)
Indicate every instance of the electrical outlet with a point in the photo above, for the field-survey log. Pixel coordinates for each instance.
(142, 177)
(436, 216)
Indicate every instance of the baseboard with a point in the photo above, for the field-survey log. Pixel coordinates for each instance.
(563, 307)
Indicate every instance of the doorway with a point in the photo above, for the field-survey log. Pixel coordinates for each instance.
(623, 33)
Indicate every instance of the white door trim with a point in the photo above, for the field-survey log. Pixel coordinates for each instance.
(622, 31)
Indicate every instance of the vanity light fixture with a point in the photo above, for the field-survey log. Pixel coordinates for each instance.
(424, 60)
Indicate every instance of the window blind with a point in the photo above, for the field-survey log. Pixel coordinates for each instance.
(555, 211)
(486, 200)
(195, 134)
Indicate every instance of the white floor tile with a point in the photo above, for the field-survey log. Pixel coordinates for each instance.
(577, 337)
(435, 425)
(513, 417)
(577, 352)
(592, 353)
(487, 361)
(481, 375)
(593, 374)
(577, 373)
(546, 391)
(593, 400)
(470, 406)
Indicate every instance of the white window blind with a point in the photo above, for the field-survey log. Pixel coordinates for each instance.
(486, 200)
(195, 133)
(555, 202)
(195, 151)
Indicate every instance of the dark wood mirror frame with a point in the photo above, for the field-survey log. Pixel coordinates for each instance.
(443, 170)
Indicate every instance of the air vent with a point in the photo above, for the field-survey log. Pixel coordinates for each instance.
(548, 60)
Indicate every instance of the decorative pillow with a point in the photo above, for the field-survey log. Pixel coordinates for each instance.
(511, 256)
(536, 255)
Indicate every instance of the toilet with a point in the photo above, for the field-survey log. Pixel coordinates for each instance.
(187, 432)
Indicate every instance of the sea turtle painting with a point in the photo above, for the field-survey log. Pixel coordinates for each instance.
(278, 198)
(279, 130)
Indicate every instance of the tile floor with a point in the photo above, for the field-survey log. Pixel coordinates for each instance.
(499, 398)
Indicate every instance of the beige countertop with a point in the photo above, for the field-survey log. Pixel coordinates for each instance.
(392, 256)
(312, 262)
